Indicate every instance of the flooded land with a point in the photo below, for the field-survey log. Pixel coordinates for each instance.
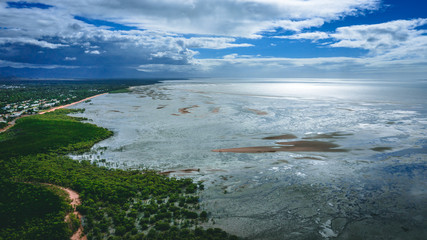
(283, 159)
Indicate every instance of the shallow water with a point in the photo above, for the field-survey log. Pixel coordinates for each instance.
(375, 188)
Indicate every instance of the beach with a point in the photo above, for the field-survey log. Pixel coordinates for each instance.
(71, 104)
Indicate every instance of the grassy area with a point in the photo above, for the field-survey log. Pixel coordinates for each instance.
(116, 204)
(55, 132)
(123, 90)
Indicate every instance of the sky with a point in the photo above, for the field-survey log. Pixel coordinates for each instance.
(376, 39)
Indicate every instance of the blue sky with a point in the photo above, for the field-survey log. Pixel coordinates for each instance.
(213, 38)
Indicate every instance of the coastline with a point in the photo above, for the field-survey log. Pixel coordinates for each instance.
(12, 123)
(50, 168)
(71, 104)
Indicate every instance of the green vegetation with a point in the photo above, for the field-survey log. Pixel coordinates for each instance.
(116, 204)
(53, 132)
(123, 90)
(29, 211)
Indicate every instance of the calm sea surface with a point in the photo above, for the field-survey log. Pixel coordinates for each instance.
(372, 185)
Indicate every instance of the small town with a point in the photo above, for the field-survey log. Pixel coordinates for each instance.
(29, 107)
(26, 101)
(21, 98)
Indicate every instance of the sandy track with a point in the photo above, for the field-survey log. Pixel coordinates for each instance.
(75, 201)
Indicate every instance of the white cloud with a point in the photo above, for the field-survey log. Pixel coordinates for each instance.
(399, 39)
(12, 64)
(300, 24)
(237, 18)
(235, 65)
(94, 52)
(379, 37)
(24, 40)
(57, 28)
(34, 23)
(231, 56)
(237, 56)
(161, 43)
(307, 35)
(173, 68)
(213, 43)
(273, 62)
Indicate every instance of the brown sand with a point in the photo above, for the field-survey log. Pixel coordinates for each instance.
(257, 112)
(296, 146)
(215, 110)
(71, 104)
(185, 110)
(281, 137)
(75, 201)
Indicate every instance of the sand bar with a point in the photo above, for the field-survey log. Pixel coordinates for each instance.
(296, 146)
(281, 137)
(215, 110)
(185, 110)
(257, 112)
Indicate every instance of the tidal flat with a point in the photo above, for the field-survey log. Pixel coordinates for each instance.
(306, 159)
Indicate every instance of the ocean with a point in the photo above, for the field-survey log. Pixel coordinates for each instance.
(281, 158)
